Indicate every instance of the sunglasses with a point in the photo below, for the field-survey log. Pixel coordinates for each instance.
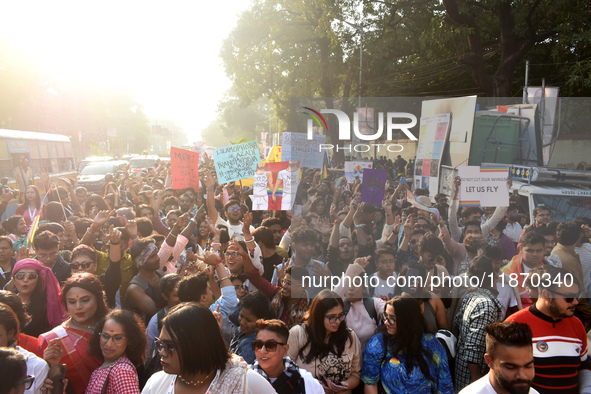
(271, 346)
(567, 297)
(117, 338)
(234, 209)
(84, 266)
(336, 319)
(164, 347)
(232, 254)
(27, 382)
(389, 319)
(23, 275)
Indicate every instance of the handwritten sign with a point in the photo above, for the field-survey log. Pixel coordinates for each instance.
(274, 154)
(184, 168)
(296, 146)
(354, 169)
(373, 186)
(236, 162)
(483, 186)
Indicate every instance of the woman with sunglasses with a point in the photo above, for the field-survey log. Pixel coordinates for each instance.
(69, 343)
(32, 205)
(324, 345)
(38, 289)
(9, 330)
(273, 363)
(402, 356)
(120, 340)
(199, 363)
(13, 372)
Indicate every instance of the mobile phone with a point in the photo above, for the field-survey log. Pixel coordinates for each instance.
(57, 374)
(403, 179)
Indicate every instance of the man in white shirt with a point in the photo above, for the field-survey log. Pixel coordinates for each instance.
(513, 228)
(510, 357)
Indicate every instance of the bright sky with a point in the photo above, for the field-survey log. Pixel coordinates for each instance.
(167, 53)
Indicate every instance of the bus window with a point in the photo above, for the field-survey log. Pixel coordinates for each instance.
(5, 168)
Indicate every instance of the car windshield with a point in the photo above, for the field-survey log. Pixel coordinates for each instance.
(96, 169)
(143, 163)
(565, 208)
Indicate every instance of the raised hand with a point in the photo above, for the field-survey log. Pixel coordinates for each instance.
(246, 222)
(101, 218)
(213, 228)
(281, 271)
(183, 220)
(363, 261)
(114, 235)
(131, 228)
(409, 225)
(208, 181)
(210, 258)
(323, 226)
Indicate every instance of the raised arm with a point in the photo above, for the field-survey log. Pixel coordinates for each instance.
(210, 202)
(99, 220)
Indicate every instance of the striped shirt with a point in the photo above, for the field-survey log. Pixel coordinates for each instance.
(560, 350)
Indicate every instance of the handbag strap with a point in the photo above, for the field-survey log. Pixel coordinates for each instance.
(106, 384)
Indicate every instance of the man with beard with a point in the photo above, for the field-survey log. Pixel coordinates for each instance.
(559, 338)
(509, 355)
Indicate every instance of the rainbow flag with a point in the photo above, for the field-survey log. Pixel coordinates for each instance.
(494, 169)
(239, 142)
(31, 234)
(412, 199)
(467, 203)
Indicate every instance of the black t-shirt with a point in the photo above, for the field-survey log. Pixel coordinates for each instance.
(268, 265)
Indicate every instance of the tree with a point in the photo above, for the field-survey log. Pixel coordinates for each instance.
(512, 28)
(282, 49)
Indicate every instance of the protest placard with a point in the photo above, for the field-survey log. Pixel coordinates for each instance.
(274, 154)
(483, 186)
(297, 147)
(236, 162)
(184, 168)
(432, 137)
(354, 169)
(373, 186)
(275, 185)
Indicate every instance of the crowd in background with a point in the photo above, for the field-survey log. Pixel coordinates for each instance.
(145, 288)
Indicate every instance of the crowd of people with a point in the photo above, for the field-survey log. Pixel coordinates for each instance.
(151, 289)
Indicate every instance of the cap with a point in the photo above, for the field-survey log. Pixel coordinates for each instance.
(425, 200)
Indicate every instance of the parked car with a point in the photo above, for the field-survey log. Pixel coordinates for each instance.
(92, 177)
(92, 159)
(144, 163)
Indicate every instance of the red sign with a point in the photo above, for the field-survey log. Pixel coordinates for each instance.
(184, 168)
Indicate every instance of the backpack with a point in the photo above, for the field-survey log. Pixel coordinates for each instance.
(369, 305)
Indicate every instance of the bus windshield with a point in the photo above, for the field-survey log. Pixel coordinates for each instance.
(565, 208)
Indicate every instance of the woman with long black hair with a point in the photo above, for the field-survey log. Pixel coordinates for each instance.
(403, 356)
(325, 346)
